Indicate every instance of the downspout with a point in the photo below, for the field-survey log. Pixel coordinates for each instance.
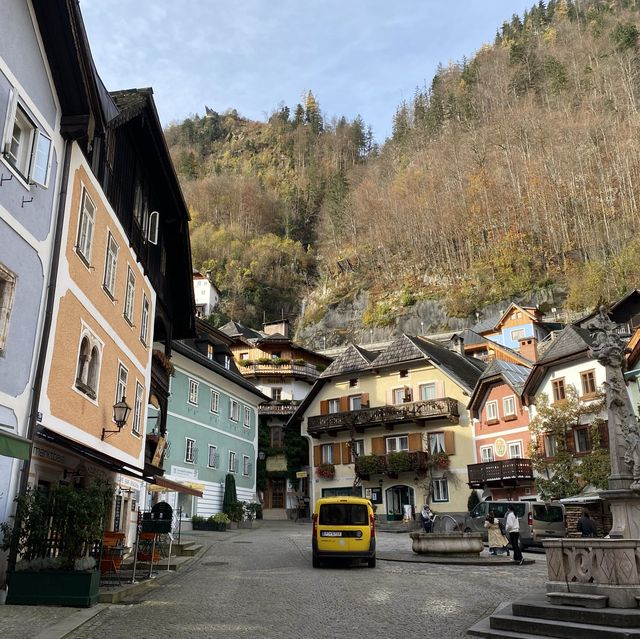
(44, 342)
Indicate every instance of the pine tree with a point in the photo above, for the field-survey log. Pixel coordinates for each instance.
(230, 495)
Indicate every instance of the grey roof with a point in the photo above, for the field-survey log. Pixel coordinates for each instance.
(403, 349)
(571, 341)
(514, 374)
(353, 358)
(486, 324)
(470, 337)
(235, 329)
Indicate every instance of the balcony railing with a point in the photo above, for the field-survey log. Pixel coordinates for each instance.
(256, 369)
(414, 462)
(277, 408)
(446, 408)
(510, 472)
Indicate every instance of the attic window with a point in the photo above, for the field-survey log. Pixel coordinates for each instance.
(404, 373)
(353, 383)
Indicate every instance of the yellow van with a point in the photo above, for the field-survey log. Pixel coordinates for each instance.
(344, 528)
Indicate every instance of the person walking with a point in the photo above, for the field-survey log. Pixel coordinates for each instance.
(427, 518)
(498, 543)
(585, 525)
(512, 527)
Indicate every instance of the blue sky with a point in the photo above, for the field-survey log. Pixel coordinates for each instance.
(357, 56)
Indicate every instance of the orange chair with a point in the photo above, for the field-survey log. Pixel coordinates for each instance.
(145, 544)
(112, 553)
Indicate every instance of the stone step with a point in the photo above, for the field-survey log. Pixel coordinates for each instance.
(189, 550)
(578, 599)
(483, 629)
(175, 564)
(537, 607)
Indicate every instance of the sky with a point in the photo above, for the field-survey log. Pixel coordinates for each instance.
(358, 57)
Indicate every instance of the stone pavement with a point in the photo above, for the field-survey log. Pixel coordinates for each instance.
(260, 583)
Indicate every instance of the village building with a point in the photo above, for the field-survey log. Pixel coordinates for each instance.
(206, 294)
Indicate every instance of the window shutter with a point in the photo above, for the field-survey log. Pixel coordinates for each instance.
(324, 407)
(377, 445)
(344, 404)
(317, 455)
(440, 390)
(571, 441)
(415, 442)
(407, 394)
(364, 400)
(8, 125)
(346, 453)
(336, 454)
(604, 435)
(449, 443)
(416, 393)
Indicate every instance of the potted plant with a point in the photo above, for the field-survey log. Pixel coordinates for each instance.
(440, 460)
(235, 513)
(220, 521)
(366, 465)
(55, 534)
(398, 462)
(326, 471)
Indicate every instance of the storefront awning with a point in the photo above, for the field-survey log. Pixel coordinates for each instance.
(14, 446)
(187, 487)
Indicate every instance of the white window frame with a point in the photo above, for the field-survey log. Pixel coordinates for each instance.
(440, 492)
(332, 404)
(398, 439)
(192, 395)
(234, 410)
(515, 447)
(487, 454)
(436, 443)
(358, 449)
(327, 453)
(144, 319)
(214, 406)
(86, 225)
(110, 266)
(276, 393)
(122, 382)
(152, 227)
(576, 442)
(7, 297)
(517, 334)
(246, 466)
(355, 402)
(494, 405)
(247, 417)
(231, 461)
(506, 411)
(84, 378)
(424, 387)
(394, 395)
(210, 351)
(212, 449)
(550, 445)
(137, 409)
(129, 297)
(189, 451)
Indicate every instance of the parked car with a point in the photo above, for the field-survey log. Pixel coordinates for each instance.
(344, 528)
(538, 519)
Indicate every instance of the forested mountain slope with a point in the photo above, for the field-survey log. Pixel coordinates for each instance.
(514, 171)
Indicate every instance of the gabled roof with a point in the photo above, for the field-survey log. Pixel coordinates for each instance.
(353, 358)
(484, 325)
(235, 329)
(531, 311)
(402, 349)
(514, 375)
(620, 311)
(474, 339)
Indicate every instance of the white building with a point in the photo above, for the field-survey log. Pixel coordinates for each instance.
(206, 294)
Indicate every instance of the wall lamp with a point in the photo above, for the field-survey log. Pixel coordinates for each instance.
(121, 411)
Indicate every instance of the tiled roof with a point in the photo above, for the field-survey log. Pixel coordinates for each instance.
(403, 349)
(353, 358)
(470, 337)
(514, 374)
(235, 329)
(570, 341)
(486, 324)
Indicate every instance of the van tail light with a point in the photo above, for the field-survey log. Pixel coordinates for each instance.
(315, 525)
(372, 525)
(530, 519)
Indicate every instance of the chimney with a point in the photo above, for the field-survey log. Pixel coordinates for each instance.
(281, 326)
(456, 344)
(529, 348)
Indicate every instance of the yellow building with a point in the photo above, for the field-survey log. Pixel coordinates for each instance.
(392, 426)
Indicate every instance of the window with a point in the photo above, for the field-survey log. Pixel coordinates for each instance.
(486, 453)
(588, 379)
(244, 356)
(144, 321)
(227, 362)
(212, 457)
(152, 231)
(234, 410)
(26, 147)
(276, 394)
(357, 448)
(247, 417)
(436, 443)
(137, 409)
(517, 334)
(190, 451)
(121, 384)
(353, 383)
(215, 401)
(327, 453)
(232, 468)
(440, 490)
(550, 447)
(515, 450)
(138, 203)
(428, 391)
(111, 263)
(492, 411)
(193, 392)
(246, 465)
(509, 406)
(88, 366)
(395, 444)
(276, 435)
(210, 351)
(558, 389)
(85, 227)
(7, 295)
(401, 395)
(355, 402)
(129, 295)
(334, 405)
(403, 373)
(582, 440)
(276, 355)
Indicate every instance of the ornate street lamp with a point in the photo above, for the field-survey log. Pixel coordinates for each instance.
(121, 412)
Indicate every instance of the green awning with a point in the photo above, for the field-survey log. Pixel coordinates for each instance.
(14, 446)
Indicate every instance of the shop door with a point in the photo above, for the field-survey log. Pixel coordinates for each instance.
(396, 498)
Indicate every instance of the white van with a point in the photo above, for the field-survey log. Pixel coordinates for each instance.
(538, 519)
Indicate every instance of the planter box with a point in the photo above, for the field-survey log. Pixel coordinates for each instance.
(209, 525)
(53, 588)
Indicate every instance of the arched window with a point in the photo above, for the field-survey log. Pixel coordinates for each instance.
(83, 362)
(94, 368)
(88, 368)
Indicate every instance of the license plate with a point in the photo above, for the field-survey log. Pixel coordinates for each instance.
(330, 533)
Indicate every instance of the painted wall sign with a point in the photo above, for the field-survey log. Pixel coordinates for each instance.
(501, 447)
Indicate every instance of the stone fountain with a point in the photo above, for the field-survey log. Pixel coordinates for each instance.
(447, 543)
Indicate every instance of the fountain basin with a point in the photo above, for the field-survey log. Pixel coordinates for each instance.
(447, 544)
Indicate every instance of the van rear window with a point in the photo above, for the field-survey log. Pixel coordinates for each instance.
(343, 515)
(549, 514)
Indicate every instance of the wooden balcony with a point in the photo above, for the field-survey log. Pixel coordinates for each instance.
(414, 462)
(278, 408)
(387, 416)
(297, 371)
(511, 472)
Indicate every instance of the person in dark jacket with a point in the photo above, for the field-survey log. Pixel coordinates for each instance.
(585, 525)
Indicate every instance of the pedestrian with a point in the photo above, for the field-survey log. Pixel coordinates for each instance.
(498, 543)
(585, 525)
(512, 527)
(427, 518)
